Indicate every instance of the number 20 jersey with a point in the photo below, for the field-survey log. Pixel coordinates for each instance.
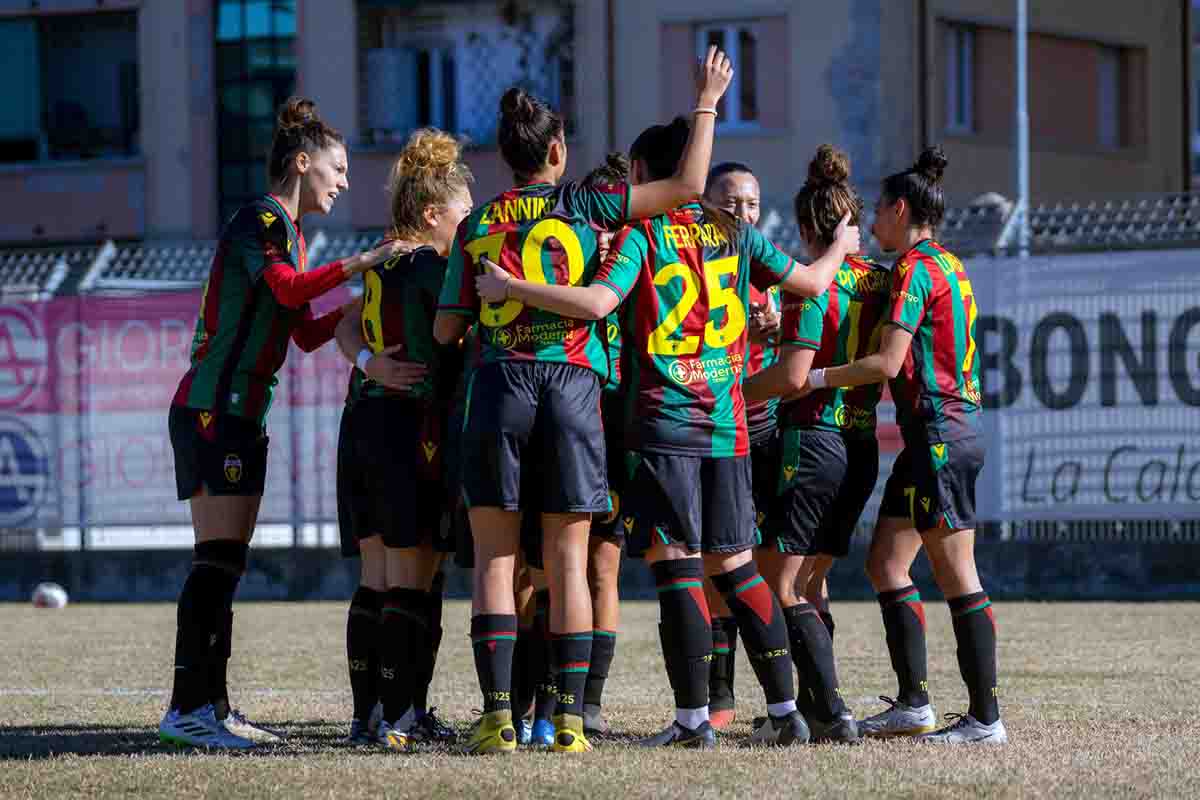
(686, 288)
(540, 233)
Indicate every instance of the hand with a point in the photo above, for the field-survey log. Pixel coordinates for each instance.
(384, 252)
(388, 372)
(848, 235)
(764, 322)
(492, 283)
(713, 75)
(352, 306)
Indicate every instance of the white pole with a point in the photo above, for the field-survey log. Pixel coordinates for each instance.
(1022, 35)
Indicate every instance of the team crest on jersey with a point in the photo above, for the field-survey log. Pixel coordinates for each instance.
(233, 468)
(430, 449)
(267, 219)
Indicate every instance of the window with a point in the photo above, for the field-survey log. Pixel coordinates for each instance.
(256, 72)
(1108, 97)
(960, 79)
(71, 88)
(740, 105)
(448, 65)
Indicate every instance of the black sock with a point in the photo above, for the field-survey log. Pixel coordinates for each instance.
(201, 616)
(604, 645)
(493, 637)
(542, 662)
(826, 615)
(404, 631)
(362, 649)
(685, 630)
(523, 676)
(431, 643)
(230, 555)
(763, 630)
(572, 658)
(904, 623)
(722, 667)
(975, 633)
(812, 652)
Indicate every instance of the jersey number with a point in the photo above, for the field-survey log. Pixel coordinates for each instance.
(496, 315)
(661, 342)
(372, 315)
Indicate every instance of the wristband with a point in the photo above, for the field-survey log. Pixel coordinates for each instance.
(704, 110)
(364, 356)
(816, 378)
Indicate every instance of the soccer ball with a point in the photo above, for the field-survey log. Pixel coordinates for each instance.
(49, 595)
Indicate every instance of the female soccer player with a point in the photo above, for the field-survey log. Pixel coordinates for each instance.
(686, 275)
(255, 300)
(397, 436)
(927, 352)
(541, 367)
(830, 458)
(733, 187)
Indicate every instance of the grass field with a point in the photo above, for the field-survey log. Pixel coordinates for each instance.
(1098, 700)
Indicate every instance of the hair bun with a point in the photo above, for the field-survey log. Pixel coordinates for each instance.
(429, 151)
(829, 167)
(931, 163)
(297, 111)
(617, 161)
(518, 105)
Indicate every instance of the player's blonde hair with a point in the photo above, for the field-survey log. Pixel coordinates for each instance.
(428, 172)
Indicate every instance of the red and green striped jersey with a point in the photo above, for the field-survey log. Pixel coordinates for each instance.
(688, 288)
(842, 325)
(400, 298)
(761, 416)
(242, 333)
(937, 391)
(540, 233)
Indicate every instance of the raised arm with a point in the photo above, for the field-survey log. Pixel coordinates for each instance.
(687, 184)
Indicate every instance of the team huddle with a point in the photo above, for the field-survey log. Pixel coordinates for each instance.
(571, 371)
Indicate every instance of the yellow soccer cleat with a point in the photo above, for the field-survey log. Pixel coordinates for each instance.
(493, 734)
(568, 735)
(393, 739)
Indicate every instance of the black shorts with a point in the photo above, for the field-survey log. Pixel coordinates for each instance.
(349, 487)
(504, 403)
(394, 472)
(764, 471)
(933, 484)
(824, 480)
(223, 453)
(702, 503)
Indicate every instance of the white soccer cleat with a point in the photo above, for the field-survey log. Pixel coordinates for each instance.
(236, 723)
(967, 730)
(899, 720)
(199, 728)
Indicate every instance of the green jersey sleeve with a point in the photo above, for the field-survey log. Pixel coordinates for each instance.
(620, 271)
(911, 290)
(769, 265)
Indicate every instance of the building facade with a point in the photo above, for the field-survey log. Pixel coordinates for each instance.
(151, 118)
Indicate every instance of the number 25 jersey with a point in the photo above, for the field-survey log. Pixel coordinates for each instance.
(687, 287)
(541, 233)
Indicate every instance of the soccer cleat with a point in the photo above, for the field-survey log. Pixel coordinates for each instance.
(841, 730)
(429, 727)
(360, 734)
(237, 724)
(898, 720)
(568, 735)
(965, 729)
(593, 720)
(393, 738)
(542, 734)
(493, 734)
(780, 731)
(524, 731)
(701, 738)
(198, 728)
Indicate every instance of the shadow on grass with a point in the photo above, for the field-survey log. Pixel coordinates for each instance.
(48, 741)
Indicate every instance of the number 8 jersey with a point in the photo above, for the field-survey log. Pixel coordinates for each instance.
(687, 287)
(541, 233)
